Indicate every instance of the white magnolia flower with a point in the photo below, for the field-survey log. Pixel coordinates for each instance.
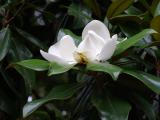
(96, 45)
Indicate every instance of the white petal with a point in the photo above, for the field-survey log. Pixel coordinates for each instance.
(108, 49)
(53, 58)
(98, 27)
(115, 37)
(96, 38)
(54, 50)
(91, 45)
(64, 48)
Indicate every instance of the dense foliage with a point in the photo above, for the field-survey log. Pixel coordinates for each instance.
(126, 89)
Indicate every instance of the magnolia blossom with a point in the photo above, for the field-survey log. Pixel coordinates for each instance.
(96, 45)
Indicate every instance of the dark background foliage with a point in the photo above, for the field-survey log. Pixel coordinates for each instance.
(30, 25)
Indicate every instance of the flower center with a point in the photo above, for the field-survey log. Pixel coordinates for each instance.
(80, 58)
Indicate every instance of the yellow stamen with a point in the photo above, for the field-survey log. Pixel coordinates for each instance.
(80, 58)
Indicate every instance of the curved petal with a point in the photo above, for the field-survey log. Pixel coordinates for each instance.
(98, 40)
(54, 50)
(64, 48)
(108, 50)
(91, 45)
(98, 27)
(53, 58)
(115, 37)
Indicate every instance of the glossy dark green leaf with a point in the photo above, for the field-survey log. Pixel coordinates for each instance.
(6, 103)
(28, 76)
(123, 18)
(62, 92)
(31, 38)
(82, 15)
(144, 105)
(118, 7)
(149, 80)
(34, 64)
(58, 113)
(157, 11)
(130, 28)
(93, 4)
(81, 78)
(17, 53)
(112, 107)
(155, 43)
(9, 82)
(56, 68)
(112, 70)
(5, 38)
(125, 44)
(12, 1)
(39, 114)
(155, 25)
(145, 4)
(2, 8)
(155, 7)
(133, 11)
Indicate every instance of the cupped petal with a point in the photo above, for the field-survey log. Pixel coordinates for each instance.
(114, 37)
(54, 50)
(91, 45)
(54, 58)
(98, 27)
(64, 48)
(98, 40)
(108, 50)
(86, 47)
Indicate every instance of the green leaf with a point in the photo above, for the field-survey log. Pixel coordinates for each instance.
(127, 28)
(125, 44)
(155, 25)
(34, 64)
(113, 70)
(9, 82)
(155, 8)
(18, 52)
(81, 77)
(144, 105)
(133, 11)
(124, 18)
(40, 114)
(29, 78)
(112, 107)
(5, 38)
(149, 80)
(62, 92)
(56, 68)
(7, 103)
(82, 15)
(92, 4)
(118, 7)
(155, 43)
(145, 4)
(30, 38)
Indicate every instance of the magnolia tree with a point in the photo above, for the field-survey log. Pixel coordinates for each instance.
(96, 60)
